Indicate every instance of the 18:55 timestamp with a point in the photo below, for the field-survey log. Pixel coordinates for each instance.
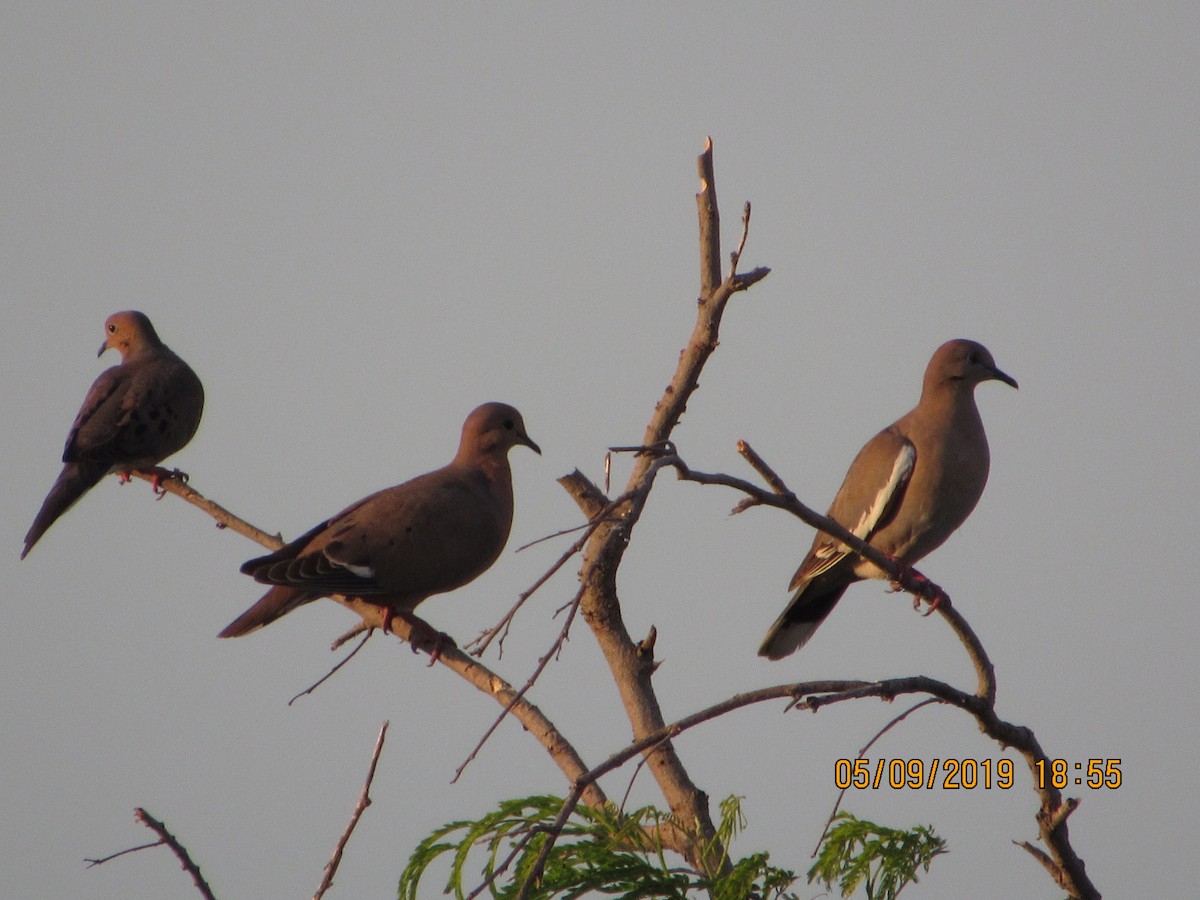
(1095, 773)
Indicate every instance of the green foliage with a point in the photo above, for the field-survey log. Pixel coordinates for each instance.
(883, 859)
(598, 852)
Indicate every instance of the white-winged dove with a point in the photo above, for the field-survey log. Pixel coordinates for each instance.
(135, 415)
(908, 489)
(403, 544)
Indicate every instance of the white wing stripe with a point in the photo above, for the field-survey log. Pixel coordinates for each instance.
(901, 469)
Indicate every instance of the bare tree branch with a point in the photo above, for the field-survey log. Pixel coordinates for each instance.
(606, 536)
(224, 518)
(812, 695)
(543, 661)
(324, 678)
(165, 838)
(364, 800)
(472, 671)
(488, 682)
(632, 667)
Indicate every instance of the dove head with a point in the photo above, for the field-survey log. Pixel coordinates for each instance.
(129, 333)
(492, 430)
(962, 363)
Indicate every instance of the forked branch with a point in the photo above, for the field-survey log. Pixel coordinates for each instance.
(165, 838)
(632, 664)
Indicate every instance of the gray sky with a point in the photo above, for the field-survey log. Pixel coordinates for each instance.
(358, 225)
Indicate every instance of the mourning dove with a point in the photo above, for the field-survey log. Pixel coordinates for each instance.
(400, 545)
(907, 491)
(135, 415)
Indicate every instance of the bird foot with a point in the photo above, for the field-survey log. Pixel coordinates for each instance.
(423, 637)
(919, 586)
(158, 475)
(935, 595)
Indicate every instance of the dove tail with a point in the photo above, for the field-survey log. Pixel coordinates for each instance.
(75, 480)
(278, 601)
(802, 617)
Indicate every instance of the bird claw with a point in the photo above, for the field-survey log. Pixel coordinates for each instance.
(934, 602)
(919, 586)
(158, 475)
(423, 637)
(440, 641)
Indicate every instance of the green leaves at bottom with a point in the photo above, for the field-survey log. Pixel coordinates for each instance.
(882, 859)
(599, 852)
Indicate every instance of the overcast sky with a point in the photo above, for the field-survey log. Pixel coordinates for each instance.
(357, 222)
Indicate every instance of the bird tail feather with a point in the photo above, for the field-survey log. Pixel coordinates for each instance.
(802, 617)
(278, 601)
(75, 480)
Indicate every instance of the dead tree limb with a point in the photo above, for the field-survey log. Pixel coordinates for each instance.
(629, 662)
(364, 800)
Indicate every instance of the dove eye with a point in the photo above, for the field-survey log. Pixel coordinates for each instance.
(112, 329)
(508, 424)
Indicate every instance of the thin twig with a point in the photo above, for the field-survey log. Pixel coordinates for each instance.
(102, 860)
(1045, 862)
(224, 518)
(499, 870)
(736, 256)
(364, 800)
(555, 829)
(562, 532)
(861, 753)
(542, 662)
(479, 646)
(320, 681)
(637, 770)
(760, 466)
(164, 838)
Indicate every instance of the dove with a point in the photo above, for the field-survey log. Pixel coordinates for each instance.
(910, 487)
(135, 415)
(398, 546)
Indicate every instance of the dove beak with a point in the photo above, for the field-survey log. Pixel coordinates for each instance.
(1006, 378)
